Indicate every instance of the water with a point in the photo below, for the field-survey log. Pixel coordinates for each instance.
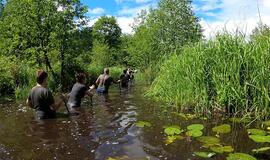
(108, 130)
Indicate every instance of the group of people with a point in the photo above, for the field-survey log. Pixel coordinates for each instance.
(45, 105)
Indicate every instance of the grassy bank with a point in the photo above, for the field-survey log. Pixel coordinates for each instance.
(228, 73)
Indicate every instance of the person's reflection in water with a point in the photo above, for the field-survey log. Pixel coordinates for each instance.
(46, 131)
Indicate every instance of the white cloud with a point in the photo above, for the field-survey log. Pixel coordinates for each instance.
(96, 11)
(125, 24)
(236, 15)
(133, 11)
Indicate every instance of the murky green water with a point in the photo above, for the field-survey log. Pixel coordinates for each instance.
(108, 130)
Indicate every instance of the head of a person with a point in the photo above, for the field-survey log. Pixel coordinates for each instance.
(42, 77)
(125, 71)
(106, 71)
(80, 77)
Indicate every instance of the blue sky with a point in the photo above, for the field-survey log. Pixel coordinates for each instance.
(215, 15)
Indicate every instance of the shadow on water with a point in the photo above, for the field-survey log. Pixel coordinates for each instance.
(107, 129)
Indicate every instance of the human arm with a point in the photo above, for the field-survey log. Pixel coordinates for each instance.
(54, 104)
(98, 81)
(88, 92)
(29, 103)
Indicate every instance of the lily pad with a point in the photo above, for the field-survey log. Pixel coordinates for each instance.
(171, 139)
(173, 130)
(267, 123)
(239, 120)
(261, 150)
(260, 139)
(257, 132)
(222, 149)
(195, 127)
(225, 128)
(209, 141)
(194, 133)
(240, 156)
(142, 124)
(204, 154)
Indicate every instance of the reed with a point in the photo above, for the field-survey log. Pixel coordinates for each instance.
(228, 73)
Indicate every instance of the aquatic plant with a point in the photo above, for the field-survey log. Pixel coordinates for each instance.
(142, 124)
(222, 149)
(260, 138)
(227, 72)
(195, 127)
(209, 141)
(205, 154)
(261, 150)
(225, 128)
(256, 132)
(173, 130)
(240, 156)
(172, 139)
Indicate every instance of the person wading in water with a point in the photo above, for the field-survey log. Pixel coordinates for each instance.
(79, 90)
(41, 99)
(125, 78)
(104, 82)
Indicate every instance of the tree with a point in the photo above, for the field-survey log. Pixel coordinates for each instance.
(163, 31)
(41, 31)
(176, 24)
(1, 7)
(102, 56)
(68, 11)
(106, 30)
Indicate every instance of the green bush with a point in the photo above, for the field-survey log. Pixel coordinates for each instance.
(6, 78)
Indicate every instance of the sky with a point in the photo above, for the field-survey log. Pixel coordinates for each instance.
(214, 15)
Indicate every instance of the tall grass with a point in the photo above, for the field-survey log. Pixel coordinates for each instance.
(228, 73)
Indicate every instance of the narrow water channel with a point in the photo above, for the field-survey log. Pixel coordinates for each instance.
(107, 130)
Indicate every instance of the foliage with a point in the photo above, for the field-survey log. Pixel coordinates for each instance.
(107, 31)
(143, 124)
(256, 132)
(173, 130)
(225, 128)
(6, 78)
(204, 154)
(261, 150)
(163, 31)
(222, 149)
(240, 156)
(102, 55)
(227, 72)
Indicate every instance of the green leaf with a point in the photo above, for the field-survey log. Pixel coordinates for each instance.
(195, 127)
(173, 130)
(257, 132)
(222, 149)
(142, 124)
(240, 156)
(261, 150)
(239, 120)
(171, 139)
(194, 133)
(204, 154)
(260, 139)
(225, 128)
(209, 141)
(267, 123)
